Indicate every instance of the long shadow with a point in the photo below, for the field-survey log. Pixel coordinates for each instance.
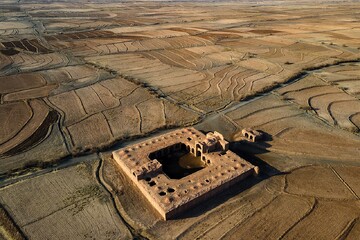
(248, 151)
(251, 150)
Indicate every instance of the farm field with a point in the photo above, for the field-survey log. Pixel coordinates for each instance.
(70, 201)
(80, 79)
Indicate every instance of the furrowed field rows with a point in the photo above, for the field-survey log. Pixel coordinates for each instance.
(24, 62)
(328, 101)
(207, 90)
(80, 78)
(32, 125)
(70, 199)
(293, 131)
(84, 48)
(119, 108)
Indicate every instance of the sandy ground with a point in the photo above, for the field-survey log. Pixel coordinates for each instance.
(83, 77)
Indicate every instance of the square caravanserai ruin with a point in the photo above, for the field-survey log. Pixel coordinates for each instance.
(182, 168)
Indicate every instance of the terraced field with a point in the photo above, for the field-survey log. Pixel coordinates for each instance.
(96, 115)
(332, 102)
(208, 67)
(79, 79)
(28, 45)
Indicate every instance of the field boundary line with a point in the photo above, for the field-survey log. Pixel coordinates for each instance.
(345, 183)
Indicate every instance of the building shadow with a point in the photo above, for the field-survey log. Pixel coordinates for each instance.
(251, 152)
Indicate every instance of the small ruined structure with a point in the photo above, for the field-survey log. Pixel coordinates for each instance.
(251, 134)
(213, 141)
(180, 169)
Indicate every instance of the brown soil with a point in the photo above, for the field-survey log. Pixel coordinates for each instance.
(80, 77)
(264, 31)
(330, 102)
(121, 109)
(72, 194)
(317, 181)
(32, 45)
(8, 229)
(39, 135)
(21, 82)
(30, 93)
(9, 51)
(39, 114)
(293, 131)
(81, 35)
(9, 128)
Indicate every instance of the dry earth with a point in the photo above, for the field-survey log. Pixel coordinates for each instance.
(82, 78)
(69, 202)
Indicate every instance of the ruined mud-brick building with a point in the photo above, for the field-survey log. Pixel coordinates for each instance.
(252, 135)
(182, 168)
